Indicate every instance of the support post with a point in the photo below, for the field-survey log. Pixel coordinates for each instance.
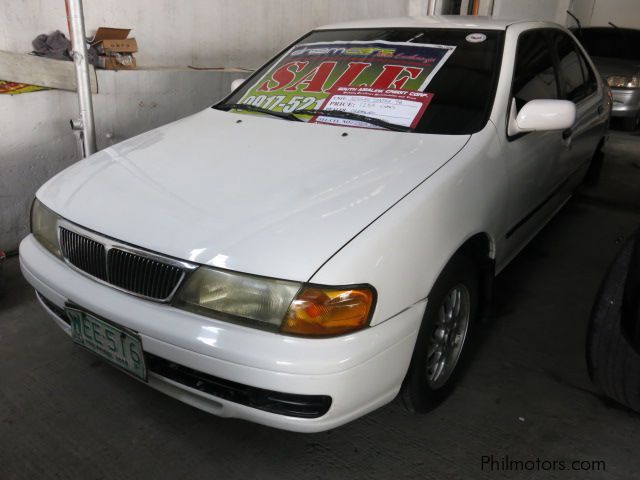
(420, 8)
(85, 124)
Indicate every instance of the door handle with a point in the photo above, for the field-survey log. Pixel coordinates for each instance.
(600, 109)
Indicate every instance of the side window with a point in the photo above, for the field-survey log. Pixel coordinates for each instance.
(535, 76)
(578, 81)
(589, 75)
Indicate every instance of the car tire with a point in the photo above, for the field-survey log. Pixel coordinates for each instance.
(613, 364)
(631, 299)
(592, 177)
(429, 379)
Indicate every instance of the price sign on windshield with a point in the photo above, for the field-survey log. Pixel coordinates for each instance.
(397, 107)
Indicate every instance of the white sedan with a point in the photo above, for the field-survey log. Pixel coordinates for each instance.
(326, 237)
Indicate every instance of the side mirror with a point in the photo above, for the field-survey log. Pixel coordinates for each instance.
(237, 83)
(542, 115)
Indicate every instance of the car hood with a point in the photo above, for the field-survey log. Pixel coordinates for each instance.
(616, 66)
(246, 192)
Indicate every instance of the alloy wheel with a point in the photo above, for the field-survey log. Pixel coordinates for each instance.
(448, 336)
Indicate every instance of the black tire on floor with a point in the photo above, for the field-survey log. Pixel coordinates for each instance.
(614, 366)
(417, 395)
(631, 300)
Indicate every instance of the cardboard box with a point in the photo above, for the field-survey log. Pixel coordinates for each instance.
(114, 48)
(114, 40)
(114, 63)
(127, 45)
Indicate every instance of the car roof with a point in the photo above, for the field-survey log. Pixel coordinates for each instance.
(435, 21)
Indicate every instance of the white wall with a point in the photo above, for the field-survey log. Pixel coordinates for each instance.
(623, 13)
(553, 10)
(212, 33)
(583, 9)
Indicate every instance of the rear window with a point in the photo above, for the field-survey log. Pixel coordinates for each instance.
(611, 42)
(434, 80)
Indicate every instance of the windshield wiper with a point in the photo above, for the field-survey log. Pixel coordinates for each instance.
(354, 116)
(252, 108)
(324, 113)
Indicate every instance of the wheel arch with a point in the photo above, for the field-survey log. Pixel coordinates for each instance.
(481, 249)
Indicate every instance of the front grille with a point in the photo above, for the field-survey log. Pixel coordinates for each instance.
(86, 254)
(132, 272)
(289, 404)
(141, 275)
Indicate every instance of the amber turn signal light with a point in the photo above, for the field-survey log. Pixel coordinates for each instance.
(325, 312)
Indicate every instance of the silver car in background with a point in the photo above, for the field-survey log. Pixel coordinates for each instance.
(616, 54)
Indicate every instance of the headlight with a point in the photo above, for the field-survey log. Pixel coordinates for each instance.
(44, 226)
(276, 305)
(624, 81)
(255, 299)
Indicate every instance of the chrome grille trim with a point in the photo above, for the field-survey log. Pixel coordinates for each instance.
(85, 253)
(121, 266)
(136, 273)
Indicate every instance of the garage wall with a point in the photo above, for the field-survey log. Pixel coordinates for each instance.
(36, 140)
(553, 10)
(210, 33)
(623, 13)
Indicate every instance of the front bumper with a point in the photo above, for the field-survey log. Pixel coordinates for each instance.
(626, 102)
(360, 372)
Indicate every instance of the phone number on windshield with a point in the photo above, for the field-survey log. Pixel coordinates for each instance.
(279, 102)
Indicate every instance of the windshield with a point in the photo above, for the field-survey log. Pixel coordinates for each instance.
(611, 42)
(424, 80)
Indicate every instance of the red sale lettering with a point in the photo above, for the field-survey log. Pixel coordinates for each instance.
(396, 76)
(315, 79)
(389, 74)
(350, 74)
(283, 76)
(413, 73)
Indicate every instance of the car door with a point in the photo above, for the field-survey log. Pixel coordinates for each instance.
(532, 158)
(578, 84)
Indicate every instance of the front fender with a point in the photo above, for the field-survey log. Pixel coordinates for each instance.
(403, 252)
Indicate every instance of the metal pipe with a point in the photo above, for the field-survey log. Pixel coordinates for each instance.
(86, 123)
(431, 7)
(490, 6)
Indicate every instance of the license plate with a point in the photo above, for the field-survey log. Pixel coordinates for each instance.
(115, 344)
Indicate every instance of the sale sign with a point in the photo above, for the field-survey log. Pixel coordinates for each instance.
(398, 107)
(314, 76)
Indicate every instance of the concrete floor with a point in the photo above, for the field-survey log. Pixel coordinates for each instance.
(65, 414)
